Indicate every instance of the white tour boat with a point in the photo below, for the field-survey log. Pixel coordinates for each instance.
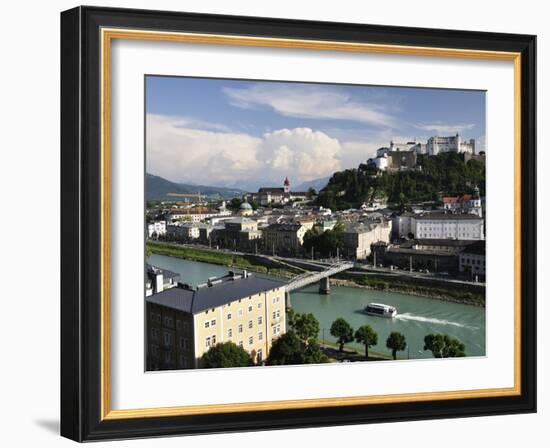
(381, 310)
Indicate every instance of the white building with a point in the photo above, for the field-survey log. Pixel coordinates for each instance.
(472, 260)
(454, 143)
(439, 226)
(448, 226)
(195, 214)
(358, 237)
(157, 228)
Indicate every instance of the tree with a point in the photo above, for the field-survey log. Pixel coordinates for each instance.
(235, 204)
(226, 354)
(306, 326)
(341, 330)
(396, 342)
(286, 350)
(443, 346)
(367, 336)
(313, 354)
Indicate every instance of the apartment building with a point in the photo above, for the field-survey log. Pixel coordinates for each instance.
(184, 322)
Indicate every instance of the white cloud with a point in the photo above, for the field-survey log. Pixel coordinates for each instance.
(445, 128)
(179, 153)
(185, 154)
(309, 102)
(300, 153)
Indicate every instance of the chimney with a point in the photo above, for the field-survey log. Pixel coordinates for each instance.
(158, 281)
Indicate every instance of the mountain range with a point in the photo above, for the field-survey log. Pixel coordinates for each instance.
(158, 188)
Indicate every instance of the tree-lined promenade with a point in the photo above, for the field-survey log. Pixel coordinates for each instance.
(300, 345)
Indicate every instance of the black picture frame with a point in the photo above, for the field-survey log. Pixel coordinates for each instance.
(81, 224)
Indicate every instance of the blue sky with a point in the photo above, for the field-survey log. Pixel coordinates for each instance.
(250, 133)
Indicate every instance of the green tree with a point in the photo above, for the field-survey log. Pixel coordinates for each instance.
(367, 336)
(343, 331)
(235, 203)
(443, 346)
(287, 349)
(306, 326)
(396, 342)
(313, 353)
(226, 354)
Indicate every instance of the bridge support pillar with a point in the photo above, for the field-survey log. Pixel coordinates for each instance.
(287, 300)
(324, 286)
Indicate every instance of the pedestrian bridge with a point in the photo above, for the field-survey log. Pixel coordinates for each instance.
(309, 278)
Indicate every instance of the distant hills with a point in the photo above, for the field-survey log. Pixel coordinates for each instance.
(158, 188)
(318, 184)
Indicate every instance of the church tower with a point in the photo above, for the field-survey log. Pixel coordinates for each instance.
(286, 185)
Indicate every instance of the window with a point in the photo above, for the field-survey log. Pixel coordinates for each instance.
(278, 313)
(207, 324)
(250, 308)
(250, 324)
(240, 343)
(240, 311)
(178, 324)
(184, 343)
(154, 350)
(155, 334)
(208, 342)
(250, 340)
(213, 322)
(168, 321)
(229, 316)
(240, 328)
(260, 336)
(213, 339)
(260, 320)
(230, 333)
(259, 305)
(274, 315)
(167, 338)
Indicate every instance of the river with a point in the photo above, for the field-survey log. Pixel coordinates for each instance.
(417, 316)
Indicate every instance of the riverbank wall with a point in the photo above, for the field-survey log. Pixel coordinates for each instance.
(439, 289)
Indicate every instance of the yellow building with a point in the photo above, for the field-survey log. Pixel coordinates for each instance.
(183, 323)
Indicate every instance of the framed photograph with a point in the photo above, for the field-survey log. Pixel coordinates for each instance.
(276, 224)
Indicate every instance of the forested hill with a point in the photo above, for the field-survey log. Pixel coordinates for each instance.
(444, 174)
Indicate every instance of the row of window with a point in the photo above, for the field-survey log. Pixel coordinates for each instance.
(211, 340)
(168, 321)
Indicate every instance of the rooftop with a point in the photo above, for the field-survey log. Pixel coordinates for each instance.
(448, 216)
(216, 292)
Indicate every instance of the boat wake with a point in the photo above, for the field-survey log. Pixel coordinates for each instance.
(432, 320)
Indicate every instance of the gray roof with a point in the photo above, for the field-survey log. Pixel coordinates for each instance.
(165, 272)
(448, 216)
(228, 290)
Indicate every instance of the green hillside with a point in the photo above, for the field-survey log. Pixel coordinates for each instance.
(444, 174)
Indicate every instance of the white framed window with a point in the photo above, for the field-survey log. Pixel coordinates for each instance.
(230, 333)
(250, 324)
(250, 340)
(240, 311)
(240, 328)
(240, 343)
(250, 308)
(208, 342)
(259, 305)
(213, 322)
(260, 320)
(207, 324)
(228, 316)
(260, 336)
(167, 338)
(213, 339)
